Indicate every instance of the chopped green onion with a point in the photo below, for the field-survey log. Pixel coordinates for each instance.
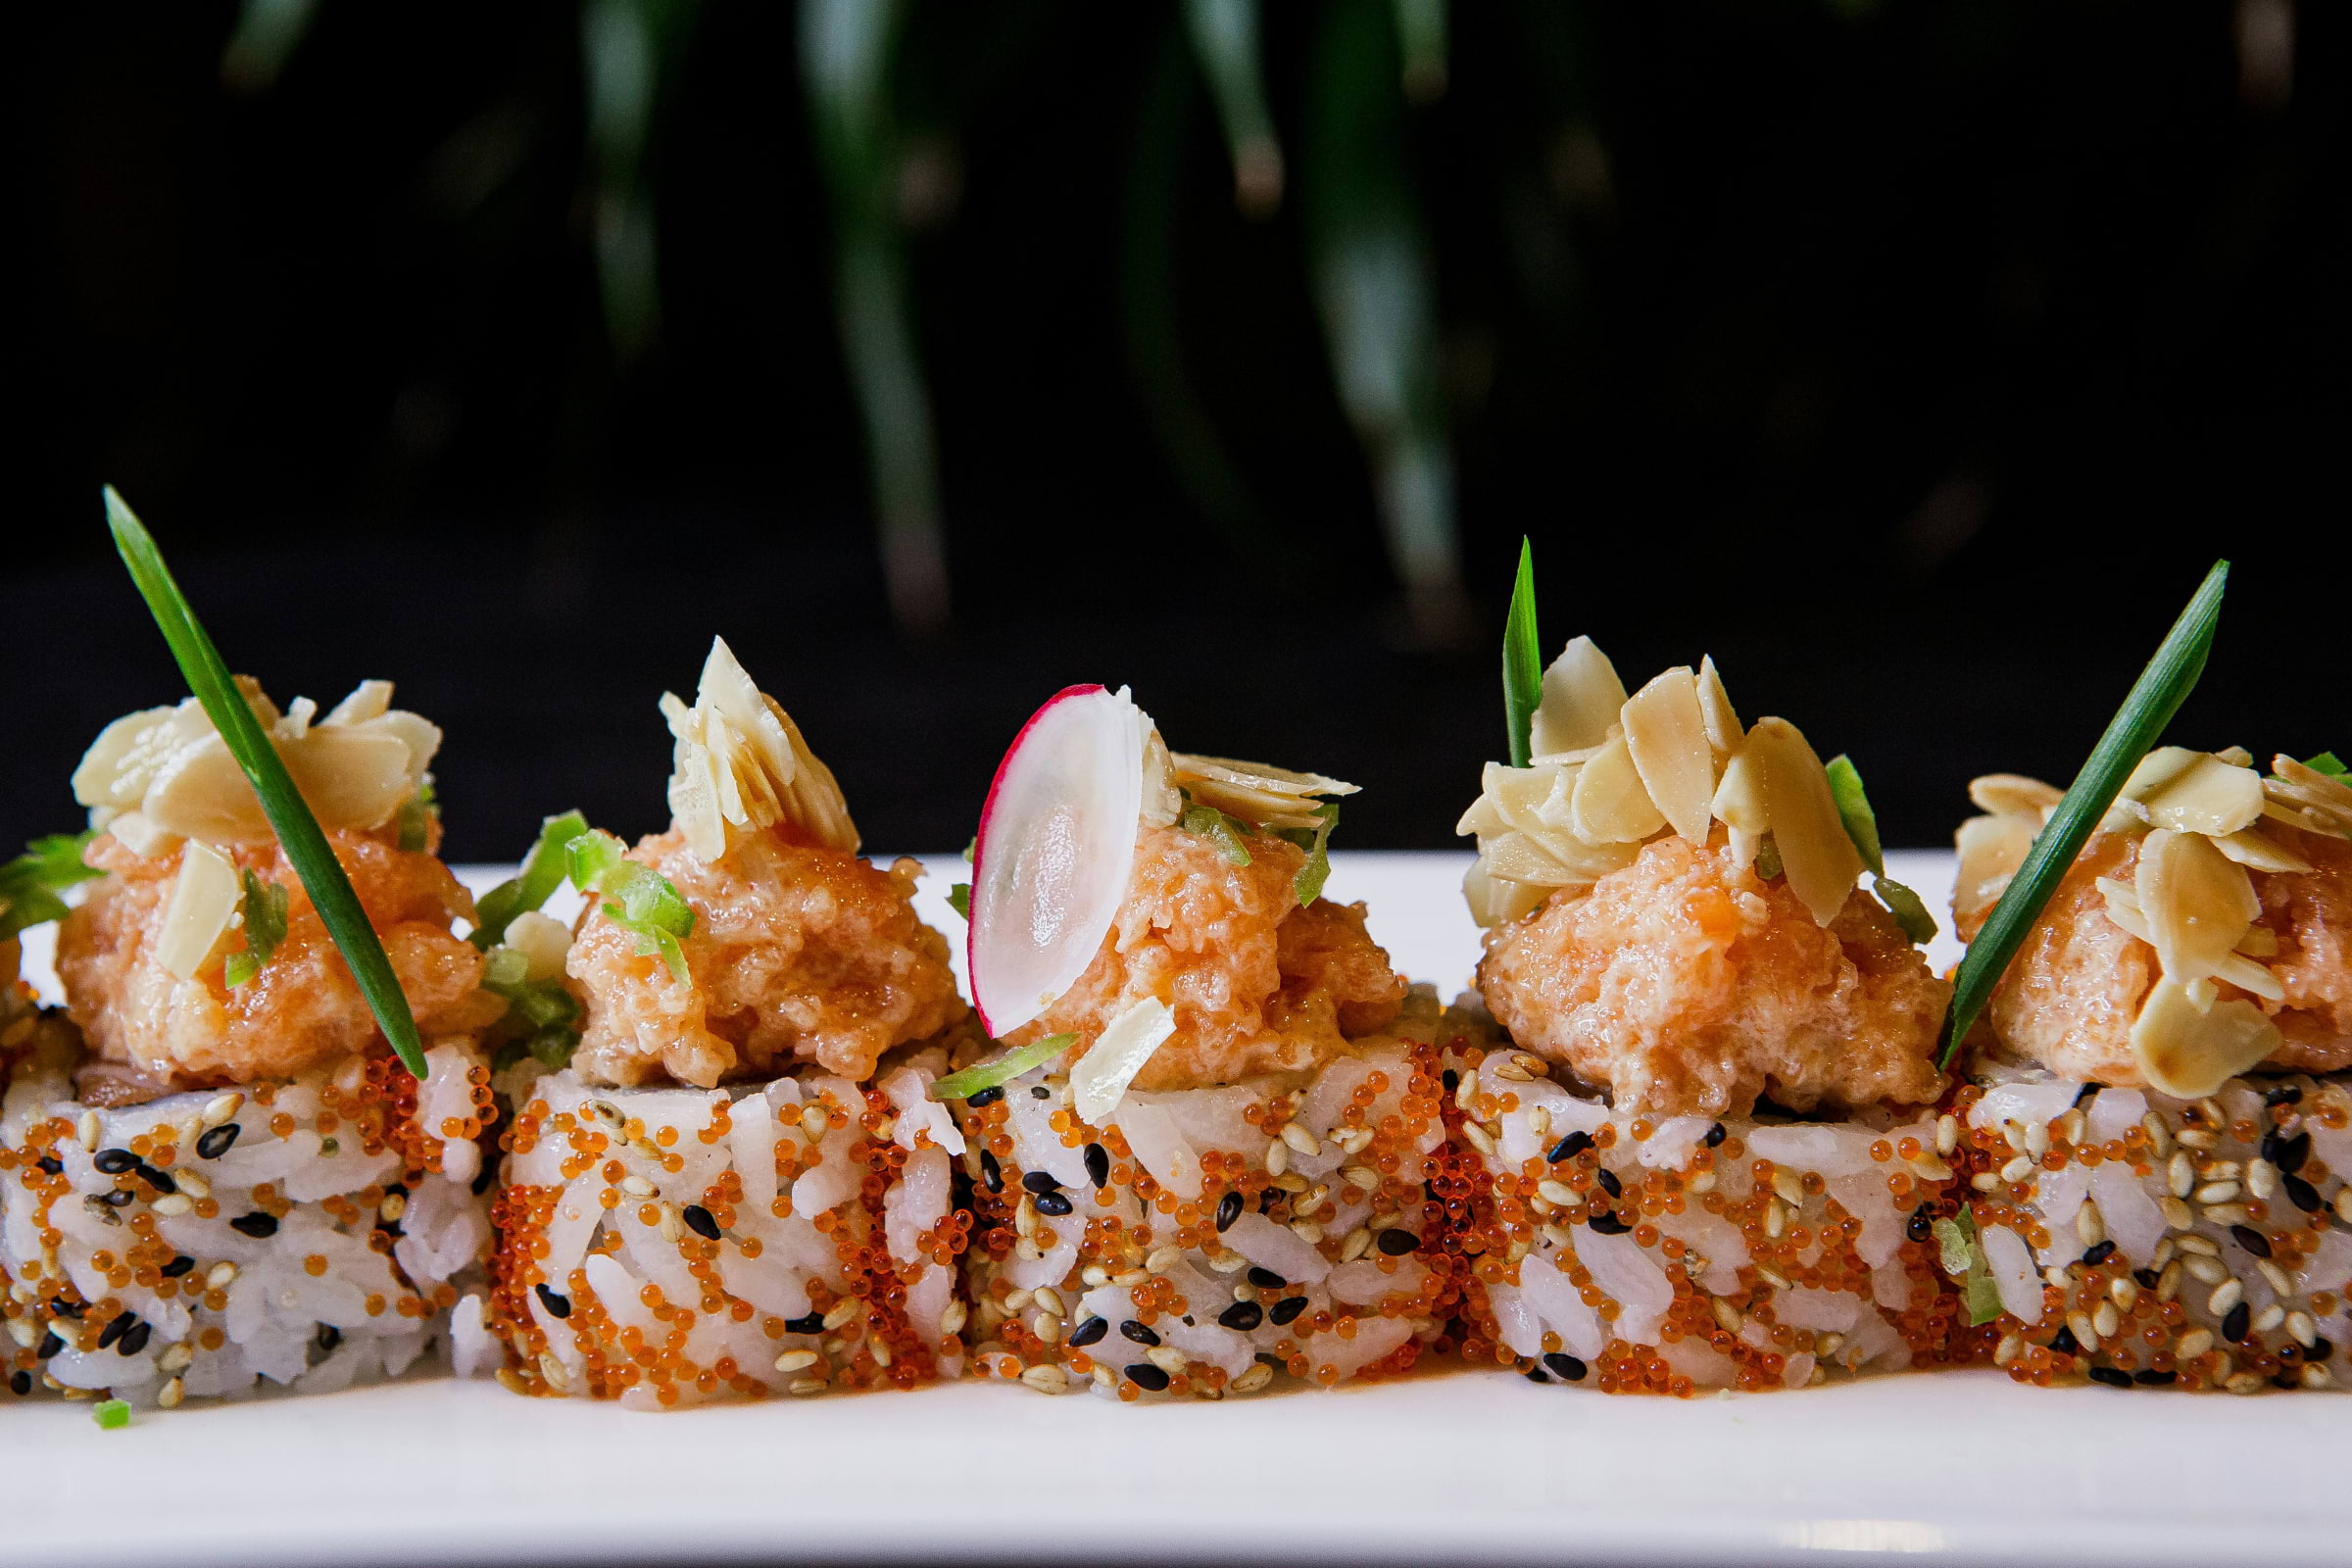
(1963, 1258)
(1853, 809)
(1909, 909)
(112, 1415)
(2329, 763)
(417, 815)
(971, 851)
(542, 873)
(298, 833)
(960, 899)
(1522, 661)
(263, 911)
(30, 884)
(2154, 699)
(1003, 1070)
(1768, 860)
(1307, 886)
(1229, 832)
(643, 898)
(541, 1014)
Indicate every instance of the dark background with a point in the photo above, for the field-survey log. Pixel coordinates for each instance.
(1914, 359)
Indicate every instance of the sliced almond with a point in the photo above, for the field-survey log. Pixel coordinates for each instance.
(2197, 901)
(1992, 849)
(1483, 818)
(1162, 803)
(1262, 776)
(202, 793)
(2190, 1053)
(2205, 796)
(1821, 863)
(1610, 805)
(369, 699)
(1724, 731)
(2258, 941)
(2248, 976)
(1519, 858)
(1582, 696)
(1496, 901)
(2250, 848)
(204, 899)
(1739, 802)
(2014, 794)
(1666, 734)
(352, 776)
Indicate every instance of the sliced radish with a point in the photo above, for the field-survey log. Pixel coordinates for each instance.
(1056, 842)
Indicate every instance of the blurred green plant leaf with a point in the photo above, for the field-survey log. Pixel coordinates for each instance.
(1225, 37)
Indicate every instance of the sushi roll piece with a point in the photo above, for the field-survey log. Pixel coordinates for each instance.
(216, 1176)
(1698, 1077)
(1199, 1162)
(724, 1176)
(2158, 1125)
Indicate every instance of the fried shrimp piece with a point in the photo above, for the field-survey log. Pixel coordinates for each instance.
(2069, 997)
(151, 1031)
(799, 954)
(1686, 984)
(1256, 983)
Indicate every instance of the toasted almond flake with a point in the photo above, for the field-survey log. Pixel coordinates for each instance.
(1610, 805)
(2196, 902)
(2202, 795)
(2014, 794)
(1821, 863)
(1581, 702)
(1724, 729)
(204, 899)
(1739, 802)
(1992, 849)
(2186, 1053)
(1666, 735)
(2258, 852)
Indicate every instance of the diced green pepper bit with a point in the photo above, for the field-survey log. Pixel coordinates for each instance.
(1003, 1070)
(1229, 832)
(642, 900)
(543, 872)
(2329, 763)
(1307, 886)
(960, 899)
(1768, 860)
(112, 1415)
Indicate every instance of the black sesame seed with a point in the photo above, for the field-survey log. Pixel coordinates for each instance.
(2293, 1152)
(160, 1180)
(51, 1164)
(327, 1338)
(2285, 1380)
(980, 1099)
(1146, 1376)
(2065, 1343)
(134, 1339)
(1052, 1205)
(2252, 1240)
(489, 1176)
(2110, 1376)
(177, 1266)
(1040, 1092)
(2300, 1193)
(115, 1327)
(1098, 1165)
(814, 1323)
(115, 1161)
(2234, 1325)
(256, 1225)
(1449, 1079)
(65, 1308)
(215, 1142)
(991, 1173)
(2083, 1093)
(1566, 1366)
(1088, 1331)
(1535, 1374)
(701, 1221)
(1283, 1311)
(1265, 1278)
(1716, 1135)
(1038, 1181)
(1568, 1148)
(21, 1383)
(1396, 1242)
(2099, 1253)
(2148, 1278)
(559, 1304)
(50, 1345)
(2149, 1377)
(2290, 1351)
(1922, 1223)
(118, 1198)
(1608, 1224)
(1242, 1315)
(2283, 1095)
(1229, 1209)
(1140, 1333)
(1610, 1183)
(1267, 1198)
(2322, 1348)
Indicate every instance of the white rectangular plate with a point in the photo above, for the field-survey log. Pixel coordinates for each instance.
(1453, 1467)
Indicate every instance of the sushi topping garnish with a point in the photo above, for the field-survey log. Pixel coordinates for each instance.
(2046, 855)
(543, 872)
(740, 765)
(350, 774)
(993, 1075)
(262, 917)
(31, 883)
(638, 898)
(1962, 1255)
(1100, 1078)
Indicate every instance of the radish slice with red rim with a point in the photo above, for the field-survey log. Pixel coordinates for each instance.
(1056, 844)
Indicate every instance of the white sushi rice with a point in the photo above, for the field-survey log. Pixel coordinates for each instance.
(2182, 1231)
(600, 1255)
(1332, 1264)
(309, 1307)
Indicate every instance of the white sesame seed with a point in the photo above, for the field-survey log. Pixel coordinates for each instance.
(1300, 1139)
(1726, 1314)
(1163, 1259)
(1166, 1358)
(1791, 1189)
(2226, 1296)
(1985, 1181)
(668, 1225)
(2343, 1203)
(22, 1330)
(952, 1319)
(636, 1185)
(2160, 1136)
(1094, 1274)
(2203, 1245)
(794, 1360)
(177, 1356)
(1558, 1191)
(1014, 1302)
(1514, 1072)
(2106, 1320)
(1278, 1158)
(2085, 1330)
(1357, 1241)
(172, 1203)
(1776, 1217)
(87, 1129)
(2228, 1213)
(1307, 1230)
(1948, 1132)
(1703, 1182)
(2262, 1179)
(1776, 1281)
(171, 1393)
(221, 1273)
(2217, 1192)
(1253, 1378)
(1130, 1278)
(2196, 1138)
(2269, 1318)
(2123, 1290)
(2179, 1175)
(2177, 1214)
(845, 1310)
(1478, 1138)
(805, 1385)
(2275, 1277)
(815, 1120)
(2069, 1126)
(2316, 1376)
(2193, 1343)
(193, 1184)
(1048, 1379)
(2013, 1132)
(1363, 1178)
(2008, 1351)
(1227, 1263)
(2301, 1329)
(2016, 1170)
(2090, 1226)
(1047, 1298)
(2037, 1141)
(2245, 1382)
(2207, 1269)
(554, 1371)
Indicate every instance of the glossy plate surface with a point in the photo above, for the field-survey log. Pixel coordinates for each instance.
(1458, 1467)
